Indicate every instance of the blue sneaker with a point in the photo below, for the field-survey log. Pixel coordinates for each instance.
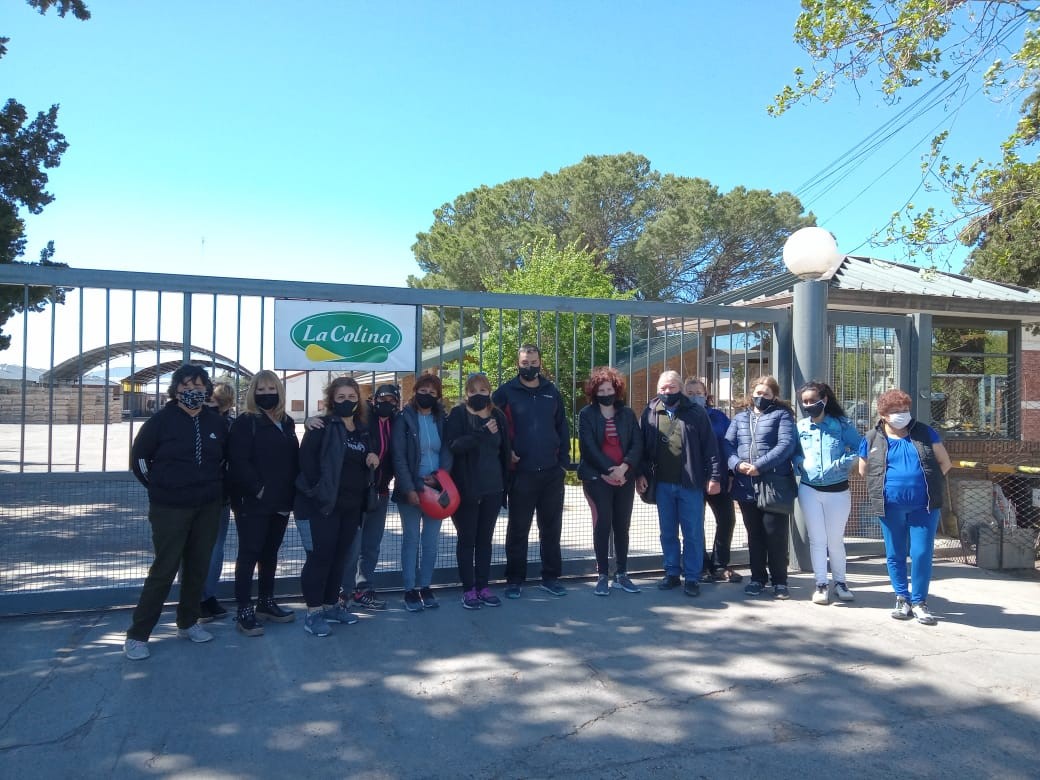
(315, 623)
(754, 588)
(602, 586)
(554, 587)
(413, 601)
(337, 613)
(513, 590)
(489, 599)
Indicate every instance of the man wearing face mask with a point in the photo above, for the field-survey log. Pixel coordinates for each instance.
(681, 453)
(541, 441)
(179, 456)
(364, 553)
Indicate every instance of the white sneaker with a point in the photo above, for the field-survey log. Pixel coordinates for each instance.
(135, 649)
(195, 633)
(841, 590)
(923, 614)
(820, 595)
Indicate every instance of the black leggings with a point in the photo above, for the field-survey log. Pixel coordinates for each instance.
(323, 570)
(611, 512)
(475, 525)
(767, 543)
(259, 538)
(725, 519)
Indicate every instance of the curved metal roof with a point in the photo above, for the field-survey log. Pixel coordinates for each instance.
(72, 369)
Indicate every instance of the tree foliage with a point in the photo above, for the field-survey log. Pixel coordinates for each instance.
(658, 236)
(954, 47)
(28, 148)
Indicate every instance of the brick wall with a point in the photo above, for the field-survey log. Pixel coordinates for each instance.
(61, 407)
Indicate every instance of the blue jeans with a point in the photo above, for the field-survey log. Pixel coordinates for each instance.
(364, 552)
(216, 561)
(910, 532)
(681, 508)
(412, 558)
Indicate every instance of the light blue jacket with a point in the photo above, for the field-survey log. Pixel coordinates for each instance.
(827, 451)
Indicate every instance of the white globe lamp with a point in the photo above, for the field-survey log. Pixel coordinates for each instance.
(811, 253)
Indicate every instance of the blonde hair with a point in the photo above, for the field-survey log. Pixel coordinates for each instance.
(223, 395)
(265, 376)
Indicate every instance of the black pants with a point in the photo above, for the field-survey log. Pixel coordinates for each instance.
(180, 535)
(331, 538)
(767, 543)
(611, 512)
(725, 519)
(475, 525)
(531, 492)
(259, 538)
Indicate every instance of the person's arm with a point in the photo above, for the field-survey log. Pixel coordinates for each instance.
(941, 455)
(456, 435)
(143, 450)
(563, 431)
(245, 478)
(785, 444)
(310, 455)
(851, 438)
(589, 449)
(633, 456)
(862, 464)
(399, 453)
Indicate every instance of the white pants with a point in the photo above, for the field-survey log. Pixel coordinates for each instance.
(825, 517)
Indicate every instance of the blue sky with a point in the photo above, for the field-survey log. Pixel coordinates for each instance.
(313, 141)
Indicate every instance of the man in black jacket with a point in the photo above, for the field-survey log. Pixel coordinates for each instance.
(541, 454)
(179, 456)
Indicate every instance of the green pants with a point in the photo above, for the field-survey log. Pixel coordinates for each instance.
(180, 535)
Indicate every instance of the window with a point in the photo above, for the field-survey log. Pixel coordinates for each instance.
(974, 390)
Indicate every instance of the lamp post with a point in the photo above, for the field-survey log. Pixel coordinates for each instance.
(811, 254)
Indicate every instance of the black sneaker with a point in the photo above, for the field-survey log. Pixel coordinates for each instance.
(413, 601)
(781, 592)
(554, 587)
(429, 601)
(210, 609)
(367, 599)
(669, 581)
(267, 609)
(247, 623)
(692, 588)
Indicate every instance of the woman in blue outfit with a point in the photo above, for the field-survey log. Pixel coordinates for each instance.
(418, 450)
(761, 439)
(828, 449)
(716, 560)
(905, 465)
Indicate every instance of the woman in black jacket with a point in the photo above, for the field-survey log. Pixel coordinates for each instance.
(335, 463)
(263, 461)
(611, 447)
(476, 434)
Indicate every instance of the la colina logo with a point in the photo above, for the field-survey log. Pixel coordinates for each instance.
(346, 335)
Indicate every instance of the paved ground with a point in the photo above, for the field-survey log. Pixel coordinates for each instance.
(646, 685)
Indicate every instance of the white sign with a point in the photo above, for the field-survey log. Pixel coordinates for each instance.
(324, 336)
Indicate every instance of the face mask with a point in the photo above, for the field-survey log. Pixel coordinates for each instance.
(899, 420)
(606, 400)
(478, 402)
(344, 408)
(385, 409)
(700, 400)
(813, 410)
(425, 401)
(192, 399)
(266, 401)
(527, 373)
(762, 403)
(670, 399)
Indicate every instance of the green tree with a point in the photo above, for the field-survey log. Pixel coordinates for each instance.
(661, 237)
(27, 149)
(953, 47)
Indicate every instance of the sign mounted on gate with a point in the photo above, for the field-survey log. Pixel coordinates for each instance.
(324, 336)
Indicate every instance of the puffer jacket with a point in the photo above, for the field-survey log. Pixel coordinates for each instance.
(775, 444)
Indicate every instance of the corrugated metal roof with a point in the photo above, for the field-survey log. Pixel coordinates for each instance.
(884, 276)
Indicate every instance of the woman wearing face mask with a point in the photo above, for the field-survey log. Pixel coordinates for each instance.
(716, 561)
(761, 439)
(611, 447)
(335, 460)
(263, 461)
(829, 446)
(418, 451)
(905, 465)
(475, 433)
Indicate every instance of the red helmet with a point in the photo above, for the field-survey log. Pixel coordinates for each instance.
(439, 502)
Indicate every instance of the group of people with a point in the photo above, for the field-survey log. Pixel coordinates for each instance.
(510, 447)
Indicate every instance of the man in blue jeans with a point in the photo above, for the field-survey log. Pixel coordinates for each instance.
(541, 441)
(681, 452)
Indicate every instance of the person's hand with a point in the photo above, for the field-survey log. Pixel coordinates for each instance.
(314, 424)
(372, 460)
(430, 480)
(515, 457)
(412, 497)
(714, 488)
(752, 470)
(641, 484)
(491, 426)
(617, 474)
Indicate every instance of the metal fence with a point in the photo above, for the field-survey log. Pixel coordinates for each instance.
(73, 531)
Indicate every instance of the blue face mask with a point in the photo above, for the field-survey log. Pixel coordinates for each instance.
(700, 400)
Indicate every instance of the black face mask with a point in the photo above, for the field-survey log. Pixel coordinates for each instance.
(385, 409)
(425, 401)
(478, 402)
(606, 400)
(266, 401)
(344, 408)
(813, 410)
(671, 399)
(527, 373)
(762, 403)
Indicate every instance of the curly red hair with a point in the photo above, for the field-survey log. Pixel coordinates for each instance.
(893, 399)
(602, 374)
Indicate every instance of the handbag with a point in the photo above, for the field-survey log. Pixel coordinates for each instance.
(649, 496)
(774, 492)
